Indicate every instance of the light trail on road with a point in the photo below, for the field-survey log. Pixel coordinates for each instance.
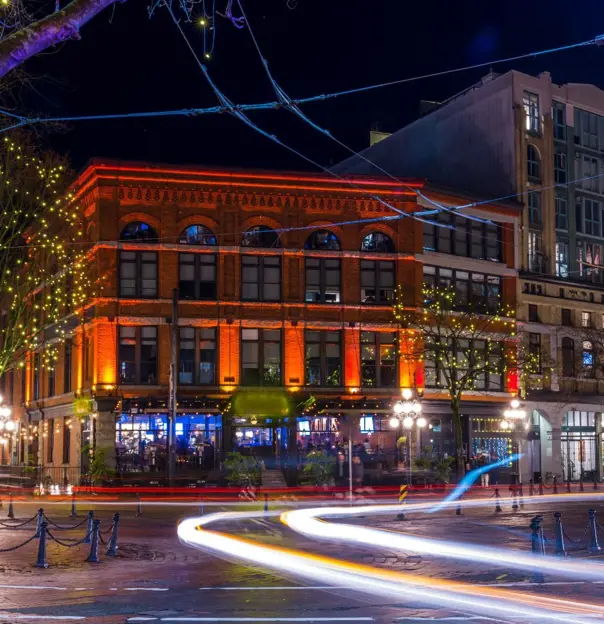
(481, 600)
(310, 522)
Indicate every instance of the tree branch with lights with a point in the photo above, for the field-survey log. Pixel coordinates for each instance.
(43, 264)
(461, 345)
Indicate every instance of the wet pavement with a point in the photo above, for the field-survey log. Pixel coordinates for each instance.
(156, 578)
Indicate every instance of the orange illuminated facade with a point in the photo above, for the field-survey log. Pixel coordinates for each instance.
(285, 285)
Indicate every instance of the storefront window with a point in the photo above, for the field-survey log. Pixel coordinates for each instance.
(252, 436)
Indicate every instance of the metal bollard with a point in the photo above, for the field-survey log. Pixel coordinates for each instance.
(89, 527)
(497, 499)
(581, 488)
(595, 482)
(555, 485)
(41, 561)
(593, 532)
(531, 488)
(73, 513)
(521, 496)
(560, 550)
(540, 486)
(39, 522)
(266, 503)
(93, 557)
(112, 549)
(568, 485)
(458, 508)
(200, 507)
(537, 546)
(139, 508)
(514, 498)
(11, 510)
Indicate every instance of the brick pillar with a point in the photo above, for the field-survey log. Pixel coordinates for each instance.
(294, 355)
(229, 346)
(352, 358)
(105, 435)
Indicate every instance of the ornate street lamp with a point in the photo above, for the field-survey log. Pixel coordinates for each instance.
(408, 413)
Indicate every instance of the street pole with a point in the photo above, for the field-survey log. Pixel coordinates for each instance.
(350, 466)
(173, 386)
(409, 457)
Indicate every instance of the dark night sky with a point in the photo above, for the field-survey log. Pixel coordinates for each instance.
(128, 62)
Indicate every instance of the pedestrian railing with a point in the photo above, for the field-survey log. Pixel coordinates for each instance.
(44, 532)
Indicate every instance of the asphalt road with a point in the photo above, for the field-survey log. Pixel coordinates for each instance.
(158, 579)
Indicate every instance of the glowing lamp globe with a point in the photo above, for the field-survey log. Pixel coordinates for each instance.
(407, 422)
(9, 425)
(407, 393)
(416, 407)
(398, 408)
(421, 422)
(515, 403)
(394, 422)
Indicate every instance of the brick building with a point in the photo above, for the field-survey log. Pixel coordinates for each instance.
(275, 292)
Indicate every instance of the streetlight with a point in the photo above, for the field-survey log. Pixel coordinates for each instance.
(408, 413)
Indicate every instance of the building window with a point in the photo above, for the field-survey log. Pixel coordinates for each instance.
(534, 207)
(197, 356)
(261, 357)
(533, 163)
(377, 281)
(462, 237)
(322, 240)
(562, 259)
(487, 355)
(587, 359)
(531, 112)
(533, 313)
(559, 118)
(51, 379)
(587, 173)
(535, 255)
(378, 360)
(260, 278)
(322, 280)
(589, 257)
(586, 129)
(197, 235)
(560, 167)
(67, 364)
(36, 377)
(561, 213)
(567, 317)
(592, 212)
(50, 445)
(138, 231)
(568, 357)
(377, 242)
(138, 355)
(323, 358)
(197, 276)
(473, 291)
(535, 352)
(138, 274)
(261, 236)
(66, 440)
(585, 319)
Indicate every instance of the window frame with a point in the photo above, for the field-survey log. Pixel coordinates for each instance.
(322, 284)
(560, 166)
(378, 272)
(535, 351)
(198, 338)
(561, 215)
(562, 258)
(535, 208)
(262, 341)
(66, 441)
(198, 261)
(559, 119)
(377, 343)
(138, 361)
(533, 163)
(531, 106)
(138, 261)
(67, 364)
(323, 343)
(262, 262)
(568, 365)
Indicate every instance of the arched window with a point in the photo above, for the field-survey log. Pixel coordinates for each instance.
(138, 269)
(568, 357)
(260, 236)
(197, 271)
(377, 241)
(323, 240)
(139, 231)
(533, 162)
(197, 235)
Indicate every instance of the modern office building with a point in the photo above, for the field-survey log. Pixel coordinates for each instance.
(521, 136)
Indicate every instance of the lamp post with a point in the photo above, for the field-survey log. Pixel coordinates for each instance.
(513, 417)
(7, 426)
(408, 413)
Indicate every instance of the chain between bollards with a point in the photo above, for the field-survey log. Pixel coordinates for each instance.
(560, 550)
(41, 560)
(112, 548)
(11, 510)
(93, 557)
(593, 530)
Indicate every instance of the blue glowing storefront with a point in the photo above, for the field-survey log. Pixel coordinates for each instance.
(141, 440)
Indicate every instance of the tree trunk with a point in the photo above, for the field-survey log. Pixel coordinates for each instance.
(458, 434)
(48, 32)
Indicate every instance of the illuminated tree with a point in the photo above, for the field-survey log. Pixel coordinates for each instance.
(43, 266)
(461, 342)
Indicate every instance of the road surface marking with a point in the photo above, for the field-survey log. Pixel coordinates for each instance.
(152, 589)
(34, 587)
(60, 618)
(531, 584)
(252, 619)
